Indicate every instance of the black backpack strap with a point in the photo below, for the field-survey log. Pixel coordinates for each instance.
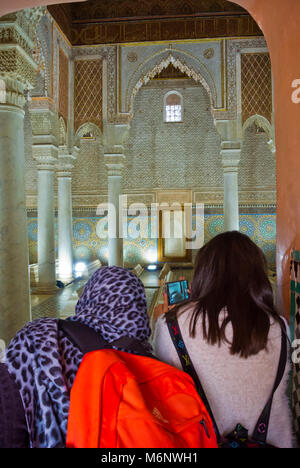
(188, 367)
(261, 429)
(87, 339)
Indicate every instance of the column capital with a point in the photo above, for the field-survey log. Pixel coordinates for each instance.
(45, 156)
(65, 162)
(114, 163)
(231, 155)
(18, 69)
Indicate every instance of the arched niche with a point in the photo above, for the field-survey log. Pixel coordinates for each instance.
(262, 124)
(88, 131)
(183, 61)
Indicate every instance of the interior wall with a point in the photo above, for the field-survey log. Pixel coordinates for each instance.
(172, 155)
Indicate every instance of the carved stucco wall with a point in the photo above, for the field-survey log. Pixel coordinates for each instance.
(187, 155)
(30, 164)
(89, 173)
(257, 166)
(173, 155)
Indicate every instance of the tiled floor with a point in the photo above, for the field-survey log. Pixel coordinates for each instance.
(60, 305)
(63, 303)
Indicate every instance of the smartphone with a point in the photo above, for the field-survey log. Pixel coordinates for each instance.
(177, 292)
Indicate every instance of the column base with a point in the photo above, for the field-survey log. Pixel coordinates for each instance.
(45, 289)
(66, 280)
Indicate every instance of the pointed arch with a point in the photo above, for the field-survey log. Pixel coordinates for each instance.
(181, 60)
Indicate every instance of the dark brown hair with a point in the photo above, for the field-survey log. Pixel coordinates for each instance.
(231, 272)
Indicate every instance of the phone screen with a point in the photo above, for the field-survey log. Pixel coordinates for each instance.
(177, 292)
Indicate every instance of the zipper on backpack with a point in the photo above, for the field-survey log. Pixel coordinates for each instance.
(205, 427)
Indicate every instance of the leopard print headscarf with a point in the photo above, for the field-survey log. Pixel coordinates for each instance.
(44, 363)
(114, 304)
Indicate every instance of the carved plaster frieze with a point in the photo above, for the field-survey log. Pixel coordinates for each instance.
(179, 61)
(17, 33)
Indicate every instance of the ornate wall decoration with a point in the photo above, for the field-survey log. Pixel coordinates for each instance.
(62, 132)
(120, 21)
(88, 246)
(112, 33)
(115, 9)
(261, 228)
(234, 47)
(63, 93)
(178, 59)
(209, 53)
(132, 57)
(256, 77)
(110, 55)
(87, 130)
(88, 93)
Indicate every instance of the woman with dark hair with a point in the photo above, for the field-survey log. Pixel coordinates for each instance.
(233, 335)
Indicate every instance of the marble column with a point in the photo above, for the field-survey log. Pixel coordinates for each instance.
(46, 227)
(115, 137)
(65, 216)
(114, 164)
(231, 154)
(14, 277)
(17, 75)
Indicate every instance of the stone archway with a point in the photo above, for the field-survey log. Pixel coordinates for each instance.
(184, 62)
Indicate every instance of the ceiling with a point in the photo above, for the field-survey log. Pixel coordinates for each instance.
(117, 21)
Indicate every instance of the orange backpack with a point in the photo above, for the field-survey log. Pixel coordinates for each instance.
(123, 400)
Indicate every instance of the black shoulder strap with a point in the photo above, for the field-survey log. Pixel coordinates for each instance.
(262, 426)
(87, 339)
(188, 367)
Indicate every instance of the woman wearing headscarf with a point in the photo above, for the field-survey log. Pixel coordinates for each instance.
(43, 362)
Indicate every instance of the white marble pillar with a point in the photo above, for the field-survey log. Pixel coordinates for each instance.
(46, 226)
(115, 136)
(114, 164)
(14, 276)
(65, 216)
(17, 74)
(231, 154)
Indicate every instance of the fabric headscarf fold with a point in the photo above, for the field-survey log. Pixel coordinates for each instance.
(43, 362)
(114, 304)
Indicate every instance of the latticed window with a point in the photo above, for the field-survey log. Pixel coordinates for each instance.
(173, 107)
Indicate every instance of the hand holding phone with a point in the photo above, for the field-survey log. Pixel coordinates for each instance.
(177, 292)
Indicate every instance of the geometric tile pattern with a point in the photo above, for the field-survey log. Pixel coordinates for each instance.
(261, 228)
(256, 86)
(88, 93)
(295, 332)
(90, 244)
(63, 85)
